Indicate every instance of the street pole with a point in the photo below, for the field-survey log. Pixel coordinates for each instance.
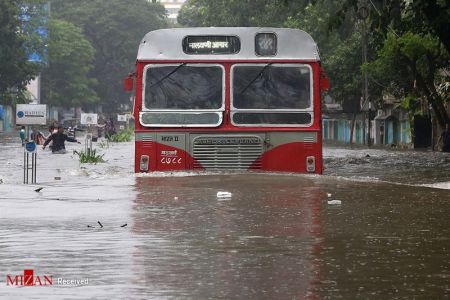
(363, 14)
(366, 88)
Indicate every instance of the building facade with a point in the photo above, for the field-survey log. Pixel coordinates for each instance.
(389, 126)
(172, 8)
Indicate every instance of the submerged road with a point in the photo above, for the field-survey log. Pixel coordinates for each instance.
(375, 226)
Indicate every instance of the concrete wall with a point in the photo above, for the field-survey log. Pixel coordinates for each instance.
(339, 130)
(383, 132)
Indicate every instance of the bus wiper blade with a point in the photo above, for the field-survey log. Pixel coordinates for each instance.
(168, 75)
(254, 79)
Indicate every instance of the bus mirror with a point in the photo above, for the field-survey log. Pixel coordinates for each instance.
(128, 84)
(324, 82)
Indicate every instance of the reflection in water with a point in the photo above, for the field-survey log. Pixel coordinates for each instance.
(276, 237)
(259, 244)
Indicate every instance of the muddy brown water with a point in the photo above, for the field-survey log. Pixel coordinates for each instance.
(274, 237)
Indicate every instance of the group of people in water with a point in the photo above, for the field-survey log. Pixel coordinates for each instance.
(56, 137)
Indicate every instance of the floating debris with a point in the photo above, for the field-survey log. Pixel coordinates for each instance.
(334, 202)
(124, 225)
(38, 189)
(57, 178)
(224, 195)
(101, 226)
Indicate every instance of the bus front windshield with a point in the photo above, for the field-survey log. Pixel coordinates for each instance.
(271, 87)
(184, 87)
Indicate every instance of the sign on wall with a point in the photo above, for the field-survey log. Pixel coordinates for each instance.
(89, 119)
(31, 114)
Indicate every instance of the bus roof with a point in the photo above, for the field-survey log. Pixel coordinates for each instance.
(166, 44)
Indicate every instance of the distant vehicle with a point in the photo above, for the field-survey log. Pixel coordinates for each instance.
(228, 98)
(72, 126)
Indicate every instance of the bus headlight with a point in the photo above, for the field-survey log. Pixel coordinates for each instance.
(143, 165)
(310, 164)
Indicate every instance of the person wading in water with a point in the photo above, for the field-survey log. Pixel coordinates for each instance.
(58, 139)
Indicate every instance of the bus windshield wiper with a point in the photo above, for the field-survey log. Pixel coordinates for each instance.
(168, 75)
(254, 79)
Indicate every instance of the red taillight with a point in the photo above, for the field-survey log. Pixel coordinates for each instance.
(143, 163)
(310, 164)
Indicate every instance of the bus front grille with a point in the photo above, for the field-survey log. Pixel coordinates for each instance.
(227, 152)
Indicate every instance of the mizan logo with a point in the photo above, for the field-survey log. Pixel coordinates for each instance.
(28, 279)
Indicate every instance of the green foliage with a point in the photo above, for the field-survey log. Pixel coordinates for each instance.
(411, 104)
(414, 49)
(418, 16)
(104, 144)
(125, 135)
(238, 13)
(342, 65)
(15, 69)
(89, 157)
(114, 28)
(37, 12)
(66, 81)
(408, 66)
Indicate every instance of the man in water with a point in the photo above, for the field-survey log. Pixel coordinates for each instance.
(58, 139)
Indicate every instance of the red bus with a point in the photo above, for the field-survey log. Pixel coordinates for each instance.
(228, 98)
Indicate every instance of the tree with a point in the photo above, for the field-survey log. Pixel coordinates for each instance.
(15, 69)
(114, 28)
(418, 16)
(416, 40)
(33, 16)
(408, 65)
(65, 81)
(238, 13)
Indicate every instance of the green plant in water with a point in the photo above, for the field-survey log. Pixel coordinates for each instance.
(89, 157)
(125, 135)
(104, 144)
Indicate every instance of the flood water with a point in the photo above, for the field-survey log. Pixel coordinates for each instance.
(274, 236)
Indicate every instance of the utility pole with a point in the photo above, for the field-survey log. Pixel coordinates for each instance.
(366, 88)
(363, 13)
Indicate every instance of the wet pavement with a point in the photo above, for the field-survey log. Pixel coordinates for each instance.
(275, 236)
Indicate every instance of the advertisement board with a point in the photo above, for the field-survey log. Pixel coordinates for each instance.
(31, 114)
